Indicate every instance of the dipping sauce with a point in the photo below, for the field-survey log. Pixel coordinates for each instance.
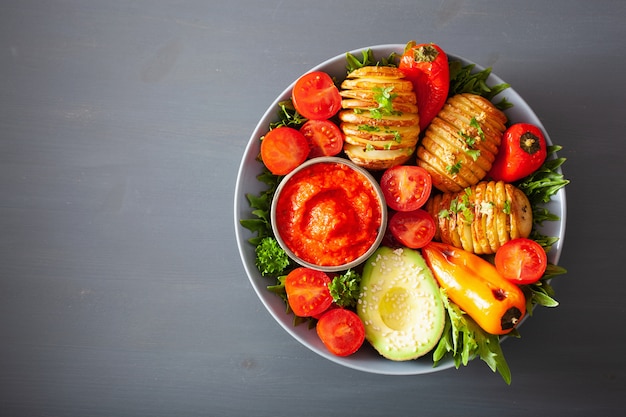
(328, 214)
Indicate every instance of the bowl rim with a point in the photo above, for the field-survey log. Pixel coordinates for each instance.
(380, 234)
(368, 361)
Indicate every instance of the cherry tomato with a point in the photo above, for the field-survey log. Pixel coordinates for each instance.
(341, 331)
(426, 65)
(521, 261)
(406, 187)
(315, 96)
(283, 149)
(414, 229)
(324, 137)
(522, 151)
(307, 291)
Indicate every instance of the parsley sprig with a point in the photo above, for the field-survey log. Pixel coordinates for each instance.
(384, 97)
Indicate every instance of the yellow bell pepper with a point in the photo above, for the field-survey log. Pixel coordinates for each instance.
(475, 285)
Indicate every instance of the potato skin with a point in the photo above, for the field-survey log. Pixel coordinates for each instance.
(461, 142)
(482, 217)
(378, 140)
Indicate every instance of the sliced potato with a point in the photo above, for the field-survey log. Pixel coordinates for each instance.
(462, 142)
(367, 118)
(481, 218)
(379, 118)
(377, 159)
(376, 71)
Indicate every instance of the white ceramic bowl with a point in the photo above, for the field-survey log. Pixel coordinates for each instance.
(366, 359)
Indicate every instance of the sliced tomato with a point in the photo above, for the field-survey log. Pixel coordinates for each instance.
(521, 261)
(315, 96)
(325, 138)
(307, 291)
(406, 187)
(283, 149)
(414, 229)
(341, 331)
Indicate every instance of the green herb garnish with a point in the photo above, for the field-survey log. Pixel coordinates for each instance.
(464, 340)
(384, 97)
(368, 59)
(345, 289)
(271, 259)
(463, 79)
(288, 116)
(260, 224)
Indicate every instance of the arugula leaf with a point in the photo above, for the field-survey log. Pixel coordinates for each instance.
(541, 292)
(464, 340)
(542, 184)
(368, 59)
(463, 79)
(261, 204)
(539, 187)
(288, 116)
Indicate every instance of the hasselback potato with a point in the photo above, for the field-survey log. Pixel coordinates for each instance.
(481, 218)
(379, 117)
(460, 144)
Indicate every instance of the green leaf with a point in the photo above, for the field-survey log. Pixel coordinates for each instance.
(345, 288)
(368, 59)
(463, 79)
(271, 259)
(464, 340)
(540, 187)
(288, 116)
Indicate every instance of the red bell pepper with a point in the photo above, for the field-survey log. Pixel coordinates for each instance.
(426, 65)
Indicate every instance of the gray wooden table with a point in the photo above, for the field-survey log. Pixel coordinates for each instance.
(122, 125)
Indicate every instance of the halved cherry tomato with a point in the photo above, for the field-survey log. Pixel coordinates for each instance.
(307, 291)
(521, 261)
(315, 96)
(522, 152)
(426, 65)
(341, 331)
(283, 149)
(406, 187)
(325, 138)
(414, 229)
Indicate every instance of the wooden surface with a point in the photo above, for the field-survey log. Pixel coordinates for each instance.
(122, 125)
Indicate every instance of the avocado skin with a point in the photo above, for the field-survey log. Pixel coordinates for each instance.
(400, 304)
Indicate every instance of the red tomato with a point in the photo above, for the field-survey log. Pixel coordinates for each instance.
(406, 187)
(325, 138)
(414, 229)
(426, 65)
(522, 152)
(307, 291)
(283, 149)
(521, 261)
(341, 331)
(315, 96)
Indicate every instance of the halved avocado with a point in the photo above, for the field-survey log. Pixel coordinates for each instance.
(400, 304)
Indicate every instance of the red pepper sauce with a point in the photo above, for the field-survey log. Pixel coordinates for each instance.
(328, 214)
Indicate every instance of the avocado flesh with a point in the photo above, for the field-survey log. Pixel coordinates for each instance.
(400, 304)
